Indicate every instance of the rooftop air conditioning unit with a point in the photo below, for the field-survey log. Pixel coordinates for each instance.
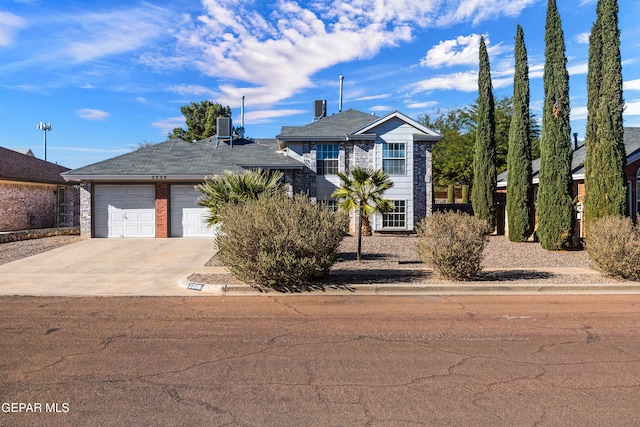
(224, 130)
(319, 109)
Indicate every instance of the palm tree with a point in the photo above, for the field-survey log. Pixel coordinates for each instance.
(363, 190)
(237, 188)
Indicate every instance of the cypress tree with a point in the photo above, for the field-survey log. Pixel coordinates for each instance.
(605, 181)
(484, 163)
(519, 187)
(555, 200)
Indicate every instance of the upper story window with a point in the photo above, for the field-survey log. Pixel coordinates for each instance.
(393, 158)
(327, 159)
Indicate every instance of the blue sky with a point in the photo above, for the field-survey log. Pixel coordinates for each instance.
(111, 74)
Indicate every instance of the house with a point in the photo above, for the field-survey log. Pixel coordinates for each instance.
(150, 192)
(33, 195)
(632, 172)
(396, 143)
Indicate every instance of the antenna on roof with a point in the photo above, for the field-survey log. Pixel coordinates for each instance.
(340, 101)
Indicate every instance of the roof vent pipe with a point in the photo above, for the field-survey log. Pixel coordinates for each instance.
(575, 141)
(340, 102)
(242, 113)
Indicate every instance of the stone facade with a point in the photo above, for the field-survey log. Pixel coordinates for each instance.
(85, 209)
(423, 195)
(26, 206)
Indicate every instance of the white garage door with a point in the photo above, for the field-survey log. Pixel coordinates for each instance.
(188, 219)
(125, 211)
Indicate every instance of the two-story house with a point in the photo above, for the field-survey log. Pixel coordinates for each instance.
(150, 192)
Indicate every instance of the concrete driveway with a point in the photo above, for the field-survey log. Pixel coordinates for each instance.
(149, 267)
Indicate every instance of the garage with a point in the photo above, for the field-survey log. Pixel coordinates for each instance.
(125, 211)
(188, 219)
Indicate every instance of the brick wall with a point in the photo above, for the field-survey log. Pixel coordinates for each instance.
(162, 215)
(26, 206)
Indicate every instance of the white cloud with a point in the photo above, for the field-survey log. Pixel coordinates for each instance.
(578, 113)
(271, 54)
(91, 114)
(384, 108)
(464, 82)
(461, 51)
(373, 97)
(264, 116)
(189, 89)
(427, 104)
(586, 2)
(9, 24)
(578, 69)
(476, 11)
(582, 38)
(97, 34)
(632, 108)
(632, 85)
(168, 125)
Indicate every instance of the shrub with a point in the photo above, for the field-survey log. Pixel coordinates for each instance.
(452, 244)
(613, 245)
(279, 242)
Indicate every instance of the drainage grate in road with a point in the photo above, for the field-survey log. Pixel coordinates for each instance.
(195, 286)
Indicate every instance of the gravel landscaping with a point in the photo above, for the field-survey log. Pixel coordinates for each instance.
(13, 251)
(394, 259)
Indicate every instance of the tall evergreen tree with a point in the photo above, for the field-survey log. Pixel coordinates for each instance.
(520, 207)
(605, 181)
(483, 196)
(555, 200)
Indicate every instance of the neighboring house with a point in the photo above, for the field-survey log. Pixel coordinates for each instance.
(396, 143)
(33, 195)
(150, 192)
(632, 172)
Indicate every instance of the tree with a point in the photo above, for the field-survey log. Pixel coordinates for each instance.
(555, 200)
(201, 120)
(363, 191)
(605, 181)
(237, 188)
(520, 206)
(453, 154)
(483, 196)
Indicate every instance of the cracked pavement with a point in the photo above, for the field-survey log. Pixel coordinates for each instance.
(322, 360)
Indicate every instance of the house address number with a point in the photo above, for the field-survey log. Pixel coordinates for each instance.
(158, 177)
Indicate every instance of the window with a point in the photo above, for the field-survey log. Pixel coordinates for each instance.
(393, 158)
(331, 204)
(327, 159)
(397, 218)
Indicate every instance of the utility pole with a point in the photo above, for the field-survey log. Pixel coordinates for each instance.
(44, 127)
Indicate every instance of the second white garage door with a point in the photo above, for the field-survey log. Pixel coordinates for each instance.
(188, 219)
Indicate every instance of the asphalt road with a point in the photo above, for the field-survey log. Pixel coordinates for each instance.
(321, 361)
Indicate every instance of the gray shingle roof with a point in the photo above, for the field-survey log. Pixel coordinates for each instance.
(15, 166)
(338, 125)
(201, 158)
(632, 147)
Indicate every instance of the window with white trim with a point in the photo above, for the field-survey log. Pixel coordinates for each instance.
(327, 159)
(393, 158)
(397, 218)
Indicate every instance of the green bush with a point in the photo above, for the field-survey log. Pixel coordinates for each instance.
(279, 242)
(452, 244)
(613, 245)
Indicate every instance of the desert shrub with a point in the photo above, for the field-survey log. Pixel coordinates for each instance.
(613, 245)
(452, 244)
(279, 242)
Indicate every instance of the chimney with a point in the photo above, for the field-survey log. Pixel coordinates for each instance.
(319, 109)
(575, 141)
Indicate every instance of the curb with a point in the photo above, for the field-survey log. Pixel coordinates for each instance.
(625, 288)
